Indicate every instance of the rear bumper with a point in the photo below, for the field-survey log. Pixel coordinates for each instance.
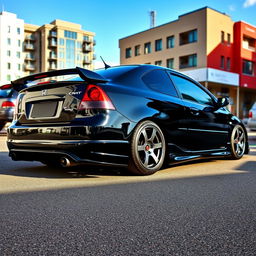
(6, 115)
(252, 124)
(96, 152)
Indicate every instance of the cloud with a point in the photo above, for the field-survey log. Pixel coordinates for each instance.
(249, 3)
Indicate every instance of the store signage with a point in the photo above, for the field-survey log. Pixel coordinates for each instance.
(214, 75)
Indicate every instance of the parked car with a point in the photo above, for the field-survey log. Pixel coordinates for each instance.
(252, 117)
(137, 116)
(7, 103)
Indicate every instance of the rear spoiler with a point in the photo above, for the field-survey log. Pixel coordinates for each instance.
(85, 74)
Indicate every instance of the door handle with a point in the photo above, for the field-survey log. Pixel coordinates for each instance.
(195, 111)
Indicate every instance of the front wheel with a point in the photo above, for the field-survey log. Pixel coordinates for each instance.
(147, 149)
(238, 142)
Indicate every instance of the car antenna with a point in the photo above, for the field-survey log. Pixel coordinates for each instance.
(105, 64)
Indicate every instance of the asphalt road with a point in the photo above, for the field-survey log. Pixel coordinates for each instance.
(201, 208)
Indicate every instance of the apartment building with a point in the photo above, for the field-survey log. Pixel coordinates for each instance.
(57, 45)
(11, 41)
(206, 45)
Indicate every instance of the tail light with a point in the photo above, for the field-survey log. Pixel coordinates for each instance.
(250, 114)
(95, 97)
(6, 87)
(8, 104)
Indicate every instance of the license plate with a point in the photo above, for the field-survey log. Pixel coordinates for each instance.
(44, 109)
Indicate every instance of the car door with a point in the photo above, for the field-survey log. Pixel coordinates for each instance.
(207, 125)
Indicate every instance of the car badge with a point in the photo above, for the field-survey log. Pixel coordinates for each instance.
(44, 92)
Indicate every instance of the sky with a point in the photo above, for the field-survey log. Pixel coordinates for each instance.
(115, 19)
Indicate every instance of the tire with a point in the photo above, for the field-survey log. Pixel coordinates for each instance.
(148, 149)
(238, 142)
(2, 126)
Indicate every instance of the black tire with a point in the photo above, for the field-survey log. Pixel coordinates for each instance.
(2, 126)
(148, 149)
(238, 142)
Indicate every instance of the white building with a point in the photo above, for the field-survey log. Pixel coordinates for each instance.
(11, 41)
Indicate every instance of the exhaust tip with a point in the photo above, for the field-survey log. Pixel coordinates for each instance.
(65, 162)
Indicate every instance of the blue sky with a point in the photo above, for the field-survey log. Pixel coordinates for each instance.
(114, 19)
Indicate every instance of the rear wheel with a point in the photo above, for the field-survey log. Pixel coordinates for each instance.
(238, 142)
(147, 149)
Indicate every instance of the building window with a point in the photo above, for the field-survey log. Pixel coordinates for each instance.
(70, 34)
(249, 43)
(19, 43)
(158, 45)
(228, 64)
(188, 61)
(137, 50)
(248, 67)
(147, 48)
(8, 77)
(128, 52)
(188, 37)
(8, 65)
(61, 41)
(19, 67)
(169, 63)
(9, 41)
(9, 53)
(158, 63)
(18, 31)
(18, 54)
(222, 36)
(229, 39)
(9, 29)
(170, 42)
(222, 62)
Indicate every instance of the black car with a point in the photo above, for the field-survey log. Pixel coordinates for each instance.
(7, 104)
(138, 116)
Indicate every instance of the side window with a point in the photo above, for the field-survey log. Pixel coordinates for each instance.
(191, 91)
(158, 80)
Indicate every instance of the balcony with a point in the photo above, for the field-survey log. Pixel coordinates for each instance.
(87, 48)
(52, 67)
(29, 67)
(52, 43)
(53, 34)
(30, 38)
(30, 58)
(53, 56)
(87, 61)
(29, 47)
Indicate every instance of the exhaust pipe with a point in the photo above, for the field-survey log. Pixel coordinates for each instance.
(65, 162)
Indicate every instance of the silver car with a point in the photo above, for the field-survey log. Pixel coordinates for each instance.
(252, 117)
(7, 104)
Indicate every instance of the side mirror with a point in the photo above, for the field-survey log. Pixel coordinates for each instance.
(222, 102)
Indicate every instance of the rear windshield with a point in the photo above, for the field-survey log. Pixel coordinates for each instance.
(5, 93)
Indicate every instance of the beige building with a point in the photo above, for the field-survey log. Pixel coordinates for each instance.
(57, 45)
(198, 44)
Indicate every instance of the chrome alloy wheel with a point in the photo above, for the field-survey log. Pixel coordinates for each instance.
(150, 146)
(238, 141)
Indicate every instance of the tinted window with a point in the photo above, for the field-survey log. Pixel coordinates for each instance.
(191, 91)
(158, 80)
(5, 93)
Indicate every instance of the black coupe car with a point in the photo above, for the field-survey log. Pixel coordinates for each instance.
(137, 116)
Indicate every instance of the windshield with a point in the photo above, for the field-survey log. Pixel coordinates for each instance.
(5, 93)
